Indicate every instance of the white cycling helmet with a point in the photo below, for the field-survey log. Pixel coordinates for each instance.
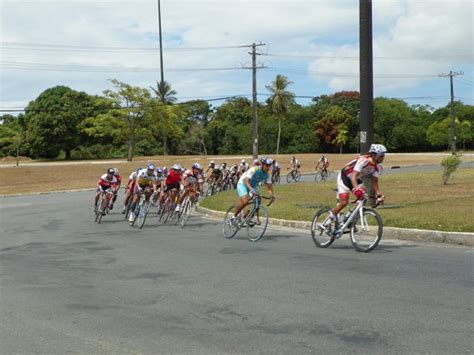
(212, 162)
(116, 171)
(378, 149)
(176, 167)
(197, 166)
(243, 161)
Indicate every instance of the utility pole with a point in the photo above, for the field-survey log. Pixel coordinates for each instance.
(453, 122)
(254, 98)
(161, 46)
(366, 76)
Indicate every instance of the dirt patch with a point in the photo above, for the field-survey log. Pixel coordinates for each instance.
(54, 176)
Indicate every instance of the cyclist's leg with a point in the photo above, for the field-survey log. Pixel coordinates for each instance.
(343, 193)
(243, 201)
(96, 199)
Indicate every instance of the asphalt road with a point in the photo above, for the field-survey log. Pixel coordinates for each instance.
(70, 285)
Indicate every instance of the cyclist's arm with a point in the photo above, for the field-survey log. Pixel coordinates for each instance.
(375, 186)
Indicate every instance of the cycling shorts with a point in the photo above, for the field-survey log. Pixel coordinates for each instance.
(242, 189)
(170, 187)
(344, 184)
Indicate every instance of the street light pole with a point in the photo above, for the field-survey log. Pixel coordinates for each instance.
(161, 46)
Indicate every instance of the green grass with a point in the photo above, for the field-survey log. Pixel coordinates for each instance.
(412, 200)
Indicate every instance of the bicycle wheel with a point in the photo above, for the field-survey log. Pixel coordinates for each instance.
(228, 228)
(127, 208)
(297, 176)
(325, 175)
(185, 213)
(318, 177)
(289, 177)
(322, 228)
(366, 233)
(142, 213)
(257, 224)
(167, 210)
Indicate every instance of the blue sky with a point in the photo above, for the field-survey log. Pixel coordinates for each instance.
(82, 44)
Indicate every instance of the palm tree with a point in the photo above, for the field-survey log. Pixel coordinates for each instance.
(341, 137)
(280, 100)
(164, 92)
(166, 95)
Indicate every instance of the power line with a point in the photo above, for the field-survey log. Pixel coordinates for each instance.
(311, 56)
(72, 48)
(354, 75)
(90, 68)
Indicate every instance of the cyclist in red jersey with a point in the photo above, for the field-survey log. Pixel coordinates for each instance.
(105, 184)
(172, 183)
(349, 178)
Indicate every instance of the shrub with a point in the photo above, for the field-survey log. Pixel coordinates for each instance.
(449, 166)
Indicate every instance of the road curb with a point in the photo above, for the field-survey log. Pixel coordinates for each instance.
(417, 235)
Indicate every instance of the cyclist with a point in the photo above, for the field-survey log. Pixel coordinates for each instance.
(275, 170)
(243, 167)
(146, 183)
(191, 179)
(211, 167)
(172, 183)
(294, 165)
(324, 163)
(129, 189)
(248, 184)
(115, 188)
(105, 184)
(256, 162)
(349, 178)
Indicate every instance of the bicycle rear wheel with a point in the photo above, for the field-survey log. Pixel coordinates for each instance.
(230, 228)
(366, 233)
(322, 228)
(257, 224)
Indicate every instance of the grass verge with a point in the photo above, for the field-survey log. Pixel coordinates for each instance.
(413, 200)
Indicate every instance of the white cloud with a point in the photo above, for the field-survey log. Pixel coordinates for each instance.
(409, 28)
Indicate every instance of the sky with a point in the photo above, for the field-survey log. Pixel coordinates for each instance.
(83, 44)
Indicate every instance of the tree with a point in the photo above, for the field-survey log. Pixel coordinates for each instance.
(280, 100)
(327, 127)
(11, 136)
(53, 119)
(166, 95)
(131, 107)
(163, 121)
(164, 92)
(341, 137)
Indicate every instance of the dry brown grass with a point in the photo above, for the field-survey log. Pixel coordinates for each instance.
(55, 176)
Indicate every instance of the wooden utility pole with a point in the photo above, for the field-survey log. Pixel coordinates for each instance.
(452, 112)
(366, 76)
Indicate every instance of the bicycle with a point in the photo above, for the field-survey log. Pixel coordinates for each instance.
(366, 226)
(321, 175)
(187, 205)
(294, 175)
(256, 219)
(167, 207)
(276, 178)
(141, 211)
(102, 205)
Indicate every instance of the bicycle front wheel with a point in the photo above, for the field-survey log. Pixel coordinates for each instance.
(257, 224)
(297, 176)
(322, 228)
(230, 226)
(142, 213)
(185, 213)
(289, 177)
(366, 232)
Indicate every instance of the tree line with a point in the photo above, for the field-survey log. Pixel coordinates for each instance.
(62, 123)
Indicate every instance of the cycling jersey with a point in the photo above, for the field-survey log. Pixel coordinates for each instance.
(106, 183)
(364, 165)
(256, 175)
(173, 178)
(144, 179)
(119, 178)
(189, 176)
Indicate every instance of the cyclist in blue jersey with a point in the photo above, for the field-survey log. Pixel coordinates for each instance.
(248, 183)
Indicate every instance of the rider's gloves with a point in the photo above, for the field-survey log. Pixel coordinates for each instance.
(252, 193)
(358, 192)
